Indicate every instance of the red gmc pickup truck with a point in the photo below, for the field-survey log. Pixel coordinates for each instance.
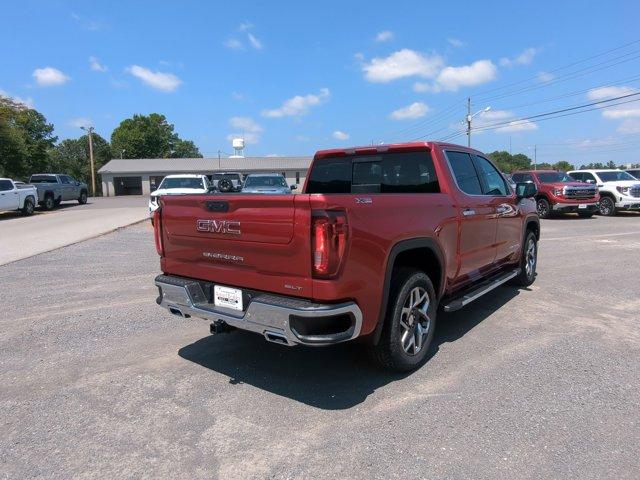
(558, 192)
(378, 240)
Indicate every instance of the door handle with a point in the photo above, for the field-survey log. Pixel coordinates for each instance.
(468, 212)
(502, 209)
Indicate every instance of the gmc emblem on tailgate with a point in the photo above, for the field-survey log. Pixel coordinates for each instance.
(225, 227)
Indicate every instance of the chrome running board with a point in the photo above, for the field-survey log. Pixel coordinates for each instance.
(458, 302)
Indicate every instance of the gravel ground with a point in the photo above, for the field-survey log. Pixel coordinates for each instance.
(99, 382)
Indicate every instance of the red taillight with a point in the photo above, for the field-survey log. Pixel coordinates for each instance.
(157, 231)
(329, 234)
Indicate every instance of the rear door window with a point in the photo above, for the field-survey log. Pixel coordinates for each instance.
(402, 172)
(465, 172)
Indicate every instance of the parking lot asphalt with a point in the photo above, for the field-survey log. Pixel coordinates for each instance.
(99, 382)
(22, 237)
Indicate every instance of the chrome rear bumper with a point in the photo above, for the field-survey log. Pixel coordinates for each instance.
(286, 320)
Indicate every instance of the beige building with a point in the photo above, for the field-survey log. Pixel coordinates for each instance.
(143, 175)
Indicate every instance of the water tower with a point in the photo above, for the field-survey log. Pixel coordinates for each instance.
(238, 147)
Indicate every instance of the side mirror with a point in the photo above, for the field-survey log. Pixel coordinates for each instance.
(211, 189)
(591, 181)
(77, 184)
(294, 187)
(526, 190)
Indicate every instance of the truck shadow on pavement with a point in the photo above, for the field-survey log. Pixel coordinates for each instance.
(330, 378)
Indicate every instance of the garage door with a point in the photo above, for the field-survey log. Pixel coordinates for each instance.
(127, 185)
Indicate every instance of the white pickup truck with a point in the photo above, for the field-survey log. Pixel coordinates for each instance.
(618, 190)
(17, 196)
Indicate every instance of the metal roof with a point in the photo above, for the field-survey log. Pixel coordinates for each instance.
(210, 164)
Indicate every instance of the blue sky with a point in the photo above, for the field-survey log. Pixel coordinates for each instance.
(294, 77)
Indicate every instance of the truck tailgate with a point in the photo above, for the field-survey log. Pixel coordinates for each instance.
(258, 242)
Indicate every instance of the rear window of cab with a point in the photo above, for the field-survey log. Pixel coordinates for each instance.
(402, 172)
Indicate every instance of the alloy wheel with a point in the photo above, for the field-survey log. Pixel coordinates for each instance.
(606, 206)
(530, 258)
(415, 321)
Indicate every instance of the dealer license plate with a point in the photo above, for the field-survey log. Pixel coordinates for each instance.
(227, 297)
(582, 206)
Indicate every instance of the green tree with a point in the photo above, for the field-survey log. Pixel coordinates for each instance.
(25, 139)
(150, 136)
(563, 166)
(508, 163)
(185, 149)
(72, 156)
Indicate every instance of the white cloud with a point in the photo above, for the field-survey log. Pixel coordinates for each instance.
(339, 135)
(410, 112)
(384, 36)
(298, 105)
(26, 102)
(233, 44)
(481, 71)
(255, 43)
(619, 111)
(518, 126)
(244, 26)
(80, 122)
(86, 23)
(455, 42)
(401, 64)
(422, 87)
(496, 115)
(525, 58)
(630, 125)
(238, 95)
(487, 119)
(545, 77)
(96, 66)
(165, 82)
(49, 76)
(604, 93)
(245, 127)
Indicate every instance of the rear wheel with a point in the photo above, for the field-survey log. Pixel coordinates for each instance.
(528, 260)
(410, 323)
(543, 207)
(607, 207)
(28, 207)
(58, 202)
(48, 202)
(83, 198)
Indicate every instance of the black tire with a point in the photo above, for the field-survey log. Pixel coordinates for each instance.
(225, 185)
(607, 207)
(585, 214)
(527, 273)
(48, 203)
(58, 202)
(83, 198)
(407, 322)
(543, 207)
(28, 207)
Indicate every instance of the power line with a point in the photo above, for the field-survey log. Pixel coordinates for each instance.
(557, 69)
(540, 115)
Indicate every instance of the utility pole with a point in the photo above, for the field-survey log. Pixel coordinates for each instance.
(509, 144)
(470, 117)
(89, 130)
(535, 157)
(468, 121)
